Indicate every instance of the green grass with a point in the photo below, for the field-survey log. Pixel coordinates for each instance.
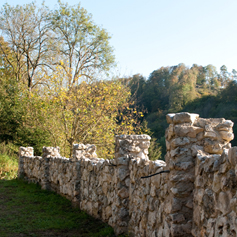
(8, 161)
(26, 210)
(8, 167)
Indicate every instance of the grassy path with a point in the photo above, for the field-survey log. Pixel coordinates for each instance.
(26, 210)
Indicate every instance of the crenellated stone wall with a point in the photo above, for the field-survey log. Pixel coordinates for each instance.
(193, 145)
(215, 196)
(193, 194)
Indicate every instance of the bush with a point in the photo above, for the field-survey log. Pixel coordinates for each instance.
(8, 161)
(8, 167)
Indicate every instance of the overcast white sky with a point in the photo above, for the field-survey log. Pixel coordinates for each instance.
(148, 34)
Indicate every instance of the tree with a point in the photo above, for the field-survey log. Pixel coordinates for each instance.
(84, 47)
(158, 85)
(26, 31)
(136, 85)
(10, 107)
(224, 76)
(211, 76)
(183, 84)
(5, 68)
(67, 109)
(91, 112)
(234, 74)
(35, 35)
(16, 107)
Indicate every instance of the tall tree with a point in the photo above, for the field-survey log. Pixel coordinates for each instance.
(224, 76)
(158, 85)
(211, 76)
(234, 74)
(84, 47)
(91, 112)
(6, 70)
(26, 30)
(201, 78)
(137, 84)
(10, 108)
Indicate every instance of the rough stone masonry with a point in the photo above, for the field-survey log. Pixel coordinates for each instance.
(196, 196)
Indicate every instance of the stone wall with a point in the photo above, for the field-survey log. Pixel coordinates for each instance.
(147, 198)
(215, 197)
(197, 151)
(194, 193)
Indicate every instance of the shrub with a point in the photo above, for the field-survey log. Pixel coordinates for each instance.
(8, 167)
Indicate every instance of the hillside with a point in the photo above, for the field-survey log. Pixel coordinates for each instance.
(198, 89)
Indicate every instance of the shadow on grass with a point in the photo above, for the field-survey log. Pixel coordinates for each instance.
(26, 210)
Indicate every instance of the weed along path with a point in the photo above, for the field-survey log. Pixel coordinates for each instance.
(26, 210)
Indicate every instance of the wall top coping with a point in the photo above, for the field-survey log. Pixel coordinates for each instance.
(134, 137)
(29, 148)
(183, 117)
(81, 146)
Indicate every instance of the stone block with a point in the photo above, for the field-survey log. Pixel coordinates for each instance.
(169, 118)
(227, 136)
(185, 117)
(187, 130)
(26, 151)
(232, 156)
(223, 202)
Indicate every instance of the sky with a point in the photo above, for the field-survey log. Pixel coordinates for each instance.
(149, 34)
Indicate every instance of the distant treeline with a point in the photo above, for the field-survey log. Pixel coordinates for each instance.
(196, 89)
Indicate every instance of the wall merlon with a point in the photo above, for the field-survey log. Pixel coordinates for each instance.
(135, 146)
(84, 151)
(26, 151)
(51, 152)
(183, 117)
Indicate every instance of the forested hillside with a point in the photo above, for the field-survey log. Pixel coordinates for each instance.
(197, 89)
